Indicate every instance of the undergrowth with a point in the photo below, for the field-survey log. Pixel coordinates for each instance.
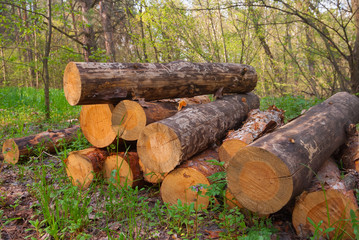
(67, 212)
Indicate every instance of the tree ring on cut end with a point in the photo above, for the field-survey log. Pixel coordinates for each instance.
(159, 148)
(10, 151)
(72, 84)
(259, 180)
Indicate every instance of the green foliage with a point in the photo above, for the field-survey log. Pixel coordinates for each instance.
(292, 105)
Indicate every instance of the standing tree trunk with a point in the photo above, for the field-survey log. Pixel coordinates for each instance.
(3, 82)
(105, 11)
(89, 41)
(266, 174)
(46, 76)
(354, 57)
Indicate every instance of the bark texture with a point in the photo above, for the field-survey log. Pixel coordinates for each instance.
(266, 174)
(165, 144)
(257, 124)
(15, 148)
(328, 199)
(184, 183)
(350, 153)
(95, 83)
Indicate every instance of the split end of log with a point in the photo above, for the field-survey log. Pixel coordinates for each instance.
(10, 151)
(259, 180)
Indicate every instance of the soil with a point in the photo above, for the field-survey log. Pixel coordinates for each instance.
(19, 208)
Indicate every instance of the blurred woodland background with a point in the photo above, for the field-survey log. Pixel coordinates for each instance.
(308, 47)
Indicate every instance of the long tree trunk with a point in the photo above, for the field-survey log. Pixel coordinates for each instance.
(15, 148)
(354, 57)
(89, 41)
(266, 174)
(105, 11)
(165, 144)
(95, 83)
(3, 82)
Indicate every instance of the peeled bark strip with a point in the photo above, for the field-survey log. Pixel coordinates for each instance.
(129, 118)
(95, 83)
(329, 200)
(83, 165)
(95, 122)
(165, 144)
(122, 169)
(150, 176)
(266, 174)
(183, 183)
(257, 123)
(14, 148)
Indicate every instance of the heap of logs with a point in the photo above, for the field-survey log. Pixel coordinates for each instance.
(174, 139)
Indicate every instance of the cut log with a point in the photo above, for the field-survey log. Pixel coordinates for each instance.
(122, 169)
(96, 83)
(15, 148)
(82, 166)
(269, 172)
(257, 124)
(231, 201)
(350, 153)
(328, 199)
(184, 183)
(129, 118)
(95, 122)
(165, 144)
(150, 176)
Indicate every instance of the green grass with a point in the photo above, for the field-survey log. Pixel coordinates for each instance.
(65, 212)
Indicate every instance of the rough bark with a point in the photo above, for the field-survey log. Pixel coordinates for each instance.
(328, 199)
(89, 41)
(95, 122)
(84, 165)
(129, 118)
(165, 144)
(266, 174)
(257, 124)
(95, 83)
(105, 12)
(184, 183)
(350, 153)
(122, 169)
(15, 148)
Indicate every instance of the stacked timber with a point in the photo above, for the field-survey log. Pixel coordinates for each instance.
(269, 172)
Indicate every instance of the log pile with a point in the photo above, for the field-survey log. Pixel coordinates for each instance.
(174, 133)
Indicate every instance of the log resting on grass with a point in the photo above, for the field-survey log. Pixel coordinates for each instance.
(269, 172)
(122, 169)
(257, 124)
(15, 148)
(184, 183)
(129, 118)
(328, 196)
(82, 166)
(165, 144)
(96, 83)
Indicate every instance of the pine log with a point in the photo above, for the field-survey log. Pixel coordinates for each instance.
(231, 201)
(165, 144)
(95, 122)
(150, 176)
(269, 172)
(122, 169)
(257, 124)
(82, 166)
(96, 83)
(328, 199)
(184, 183)
(350, 153)
(15, 148)
(129, 118)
